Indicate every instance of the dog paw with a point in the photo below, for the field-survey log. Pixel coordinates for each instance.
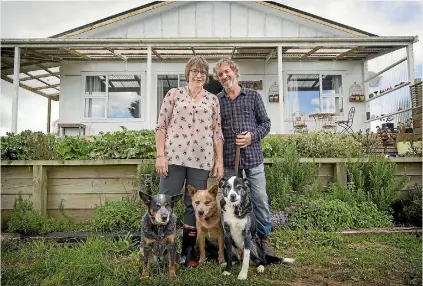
(226, 273)
(223, 264)
(242, 276)
(260, 269)
(201, 261)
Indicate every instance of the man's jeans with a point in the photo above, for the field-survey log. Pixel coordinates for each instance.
(259, 198)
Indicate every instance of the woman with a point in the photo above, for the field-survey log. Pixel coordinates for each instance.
(189, 144)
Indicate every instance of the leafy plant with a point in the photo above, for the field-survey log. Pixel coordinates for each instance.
(118, 216)
(376, 180)
(28, 145)
(335, 215)
(408, 208)
(314, 145)
(73, 148)
(124, 144)
(286, 178)
(25, 220)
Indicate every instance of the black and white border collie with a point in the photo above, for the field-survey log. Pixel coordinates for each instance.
(239, 228)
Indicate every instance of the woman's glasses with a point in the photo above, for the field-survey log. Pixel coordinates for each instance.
(195, 72)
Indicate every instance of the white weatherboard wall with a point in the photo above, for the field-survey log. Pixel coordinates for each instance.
(72, 89)
(219, 19)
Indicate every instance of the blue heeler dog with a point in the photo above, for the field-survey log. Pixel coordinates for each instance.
(239, 227)
(158, 231)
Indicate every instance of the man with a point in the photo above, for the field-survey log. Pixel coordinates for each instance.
(245, 123)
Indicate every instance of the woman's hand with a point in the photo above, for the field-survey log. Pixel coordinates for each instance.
(161, 166)
(218, 170)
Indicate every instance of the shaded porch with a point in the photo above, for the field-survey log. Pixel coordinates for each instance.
(34, 64)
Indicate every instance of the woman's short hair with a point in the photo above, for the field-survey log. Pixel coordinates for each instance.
(233, 65)
(198, 62)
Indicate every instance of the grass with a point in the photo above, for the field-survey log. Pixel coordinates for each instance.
(322, 259)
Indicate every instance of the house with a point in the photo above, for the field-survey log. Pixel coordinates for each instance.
(115, 71)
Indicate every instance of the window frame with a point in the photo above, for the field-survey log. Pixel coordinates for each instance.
(288, 117)
(84, 75)
(157, 74)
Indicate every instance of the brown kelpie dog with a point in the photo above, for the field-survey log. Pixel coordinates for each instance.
(207, 212)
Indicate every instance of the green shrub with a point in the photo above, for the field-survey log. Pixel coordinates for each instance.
(335, 215)
(28, 145)
(367, 215)
(314, 145)
(72, 148)
(118, 216)
(408, 208)
(25, 220)
(287, 178)
(124, 144)
(336, 191)
(376, 180)
(320, 214)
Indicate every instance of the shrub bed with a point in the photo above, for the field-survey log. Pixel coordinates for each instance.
(127, 144)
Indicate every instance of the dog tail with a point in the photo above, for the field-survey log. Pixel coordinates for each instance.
(276, 260)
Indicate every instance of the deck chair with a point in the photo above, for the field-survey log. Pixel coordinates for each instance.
(347, 124)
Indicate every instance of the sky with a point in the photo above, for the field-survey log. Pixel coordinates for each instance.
(41, 19)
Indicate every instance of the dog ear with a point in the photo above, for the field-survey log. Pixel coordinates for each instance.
(191, 190)
(222, 182)
(213, 191)
(247, 183)
(144, 197)
(176, 198)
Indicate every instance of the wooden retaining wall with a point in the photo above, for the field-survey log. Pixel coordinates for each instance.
(81, 185)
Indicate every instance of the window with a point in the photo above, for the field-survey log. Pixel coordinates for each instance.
(112, 96)
(310, 93)
(165, 83)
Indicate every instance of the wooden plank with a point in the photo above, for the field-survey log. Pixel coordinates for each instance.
(81, 201)
(151, 161)
(326, 170)
(15, 186)
(76, 215)
(16, 172)
(340, 173)
(7, 201)
(411, 169)
(79, 162)
(414, 180)
(325, 180)
(104, 172)
(92, 186)
(40, 189)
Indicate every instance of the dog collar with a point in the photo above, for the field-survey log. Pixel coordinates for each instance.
(206, 218)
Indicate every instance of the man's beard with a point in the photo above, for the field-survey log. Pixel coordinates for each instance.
(229, 85)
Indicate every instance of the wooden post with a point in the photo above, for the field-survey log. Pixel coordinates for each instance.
(148, 97)
(281, 93)
(340, 173)
(16, 71)
(49, 115)
(39, 178)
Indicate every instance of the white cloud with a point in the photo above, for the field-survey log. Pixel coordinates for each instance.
(32, 110)
(315, 101)
(371, 16)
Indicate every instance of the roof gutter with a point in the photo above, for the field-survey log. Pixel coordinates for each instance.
(286, 42)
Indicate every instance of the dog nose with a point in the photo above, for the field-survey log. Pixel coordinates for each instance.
(200, 212)
(164, 217)
(232, 197)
